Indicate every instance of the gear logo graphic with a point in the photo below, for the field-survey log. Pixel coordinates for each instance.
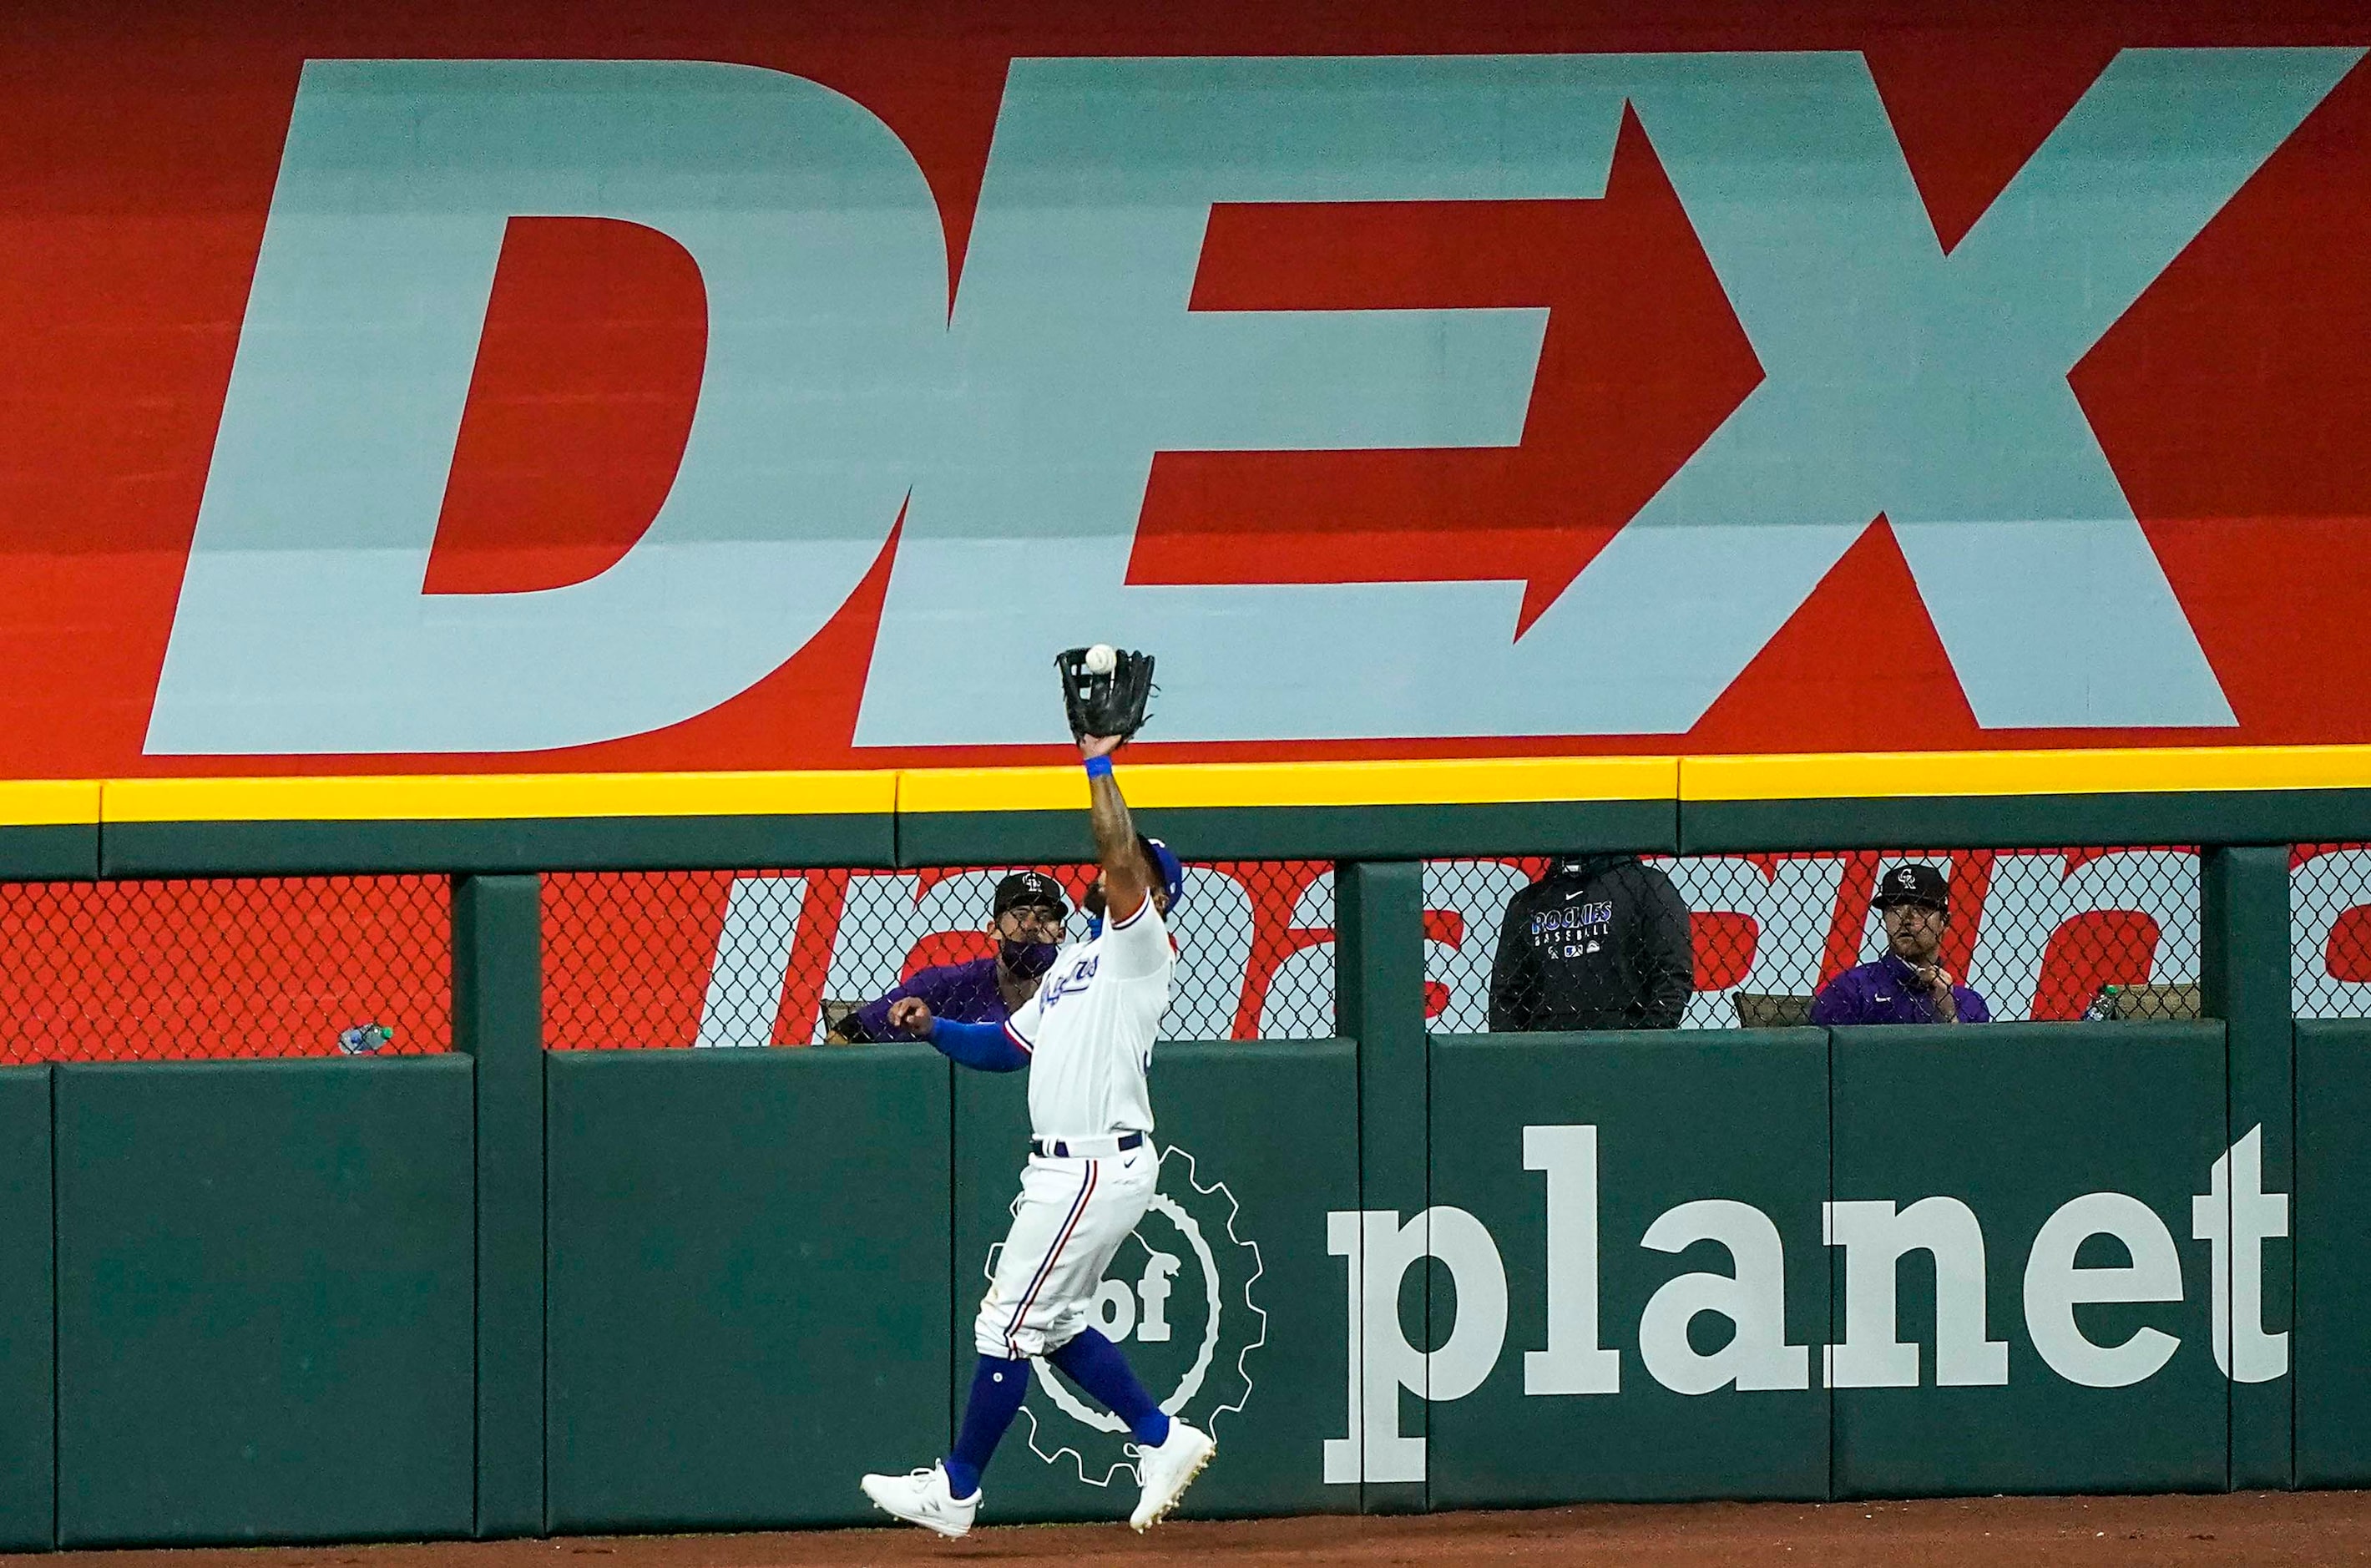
(1178, 1298)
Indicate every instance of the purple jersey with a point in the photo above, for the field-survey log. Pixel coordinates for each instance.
(965, 993)
(1888, 993)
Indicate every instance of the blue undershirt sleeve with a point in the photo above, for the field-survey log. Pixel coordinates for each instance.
(985, 1046)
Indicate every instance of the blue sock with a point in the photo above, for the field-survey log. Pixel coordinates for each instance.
(1095, 1364)
(998, 1386)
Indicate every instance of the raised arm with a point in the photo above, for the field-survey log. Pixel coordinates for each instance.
(1125, 888)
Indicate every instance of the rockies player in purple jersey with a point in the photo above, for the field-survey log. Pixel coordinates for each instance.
(1907, 983)
(1025, 919)
(1086, 1038)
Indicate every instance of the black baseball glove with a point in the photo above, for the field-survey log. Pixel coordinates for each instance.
(1110, 704)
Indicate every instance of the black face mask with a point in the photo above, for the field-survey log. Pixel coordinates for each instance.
(1025, 960)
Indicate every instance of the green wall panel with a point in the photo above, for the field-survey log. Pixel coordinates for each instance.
(1379, 982)
(2243, 971)
(1259, 1143)
(497, 845)
(63, 852)
(2332, 1342)
(1680, 1118)
(747, 1288)
(498, 1020)
(264, 1301)
(1301, 833)
(2011, 821)
(2015, 1120)
(28, 1341)
(1008, 838)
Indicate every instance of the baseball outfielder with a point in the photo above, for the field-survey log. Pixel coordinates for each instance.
(1086, 1038)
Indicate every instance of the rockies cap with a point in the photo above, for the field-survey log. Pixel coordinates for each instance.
(1035, 888)
(1913, 882)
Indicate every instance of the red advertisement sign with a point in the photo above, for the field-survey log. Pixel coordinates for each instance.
(596, 387)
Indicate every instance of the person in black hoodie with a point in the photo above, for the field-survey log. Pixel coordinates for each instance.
(1599, 943)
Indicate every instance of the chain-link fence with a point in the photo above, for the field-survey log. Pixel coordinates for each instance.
(1724, 941)
(1698, 941)
(2329, 930)
(316, 966)
(811, 958)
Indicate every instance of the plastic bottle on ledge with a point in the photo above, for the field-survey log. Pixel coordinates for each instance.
(2103, 1006)
(364, 1039)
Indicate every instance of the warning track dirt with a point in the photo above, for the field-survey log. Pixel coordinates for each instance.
(2263, 1530)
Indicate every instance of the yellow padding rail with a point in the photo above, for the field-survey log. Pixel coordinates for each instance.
(1451, 782)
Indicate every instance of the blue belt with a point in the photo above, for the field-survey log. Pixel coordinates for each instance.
(1088, 1148)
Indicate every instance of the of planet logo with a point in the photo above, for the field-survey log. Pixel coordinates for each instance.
(1178, 1298)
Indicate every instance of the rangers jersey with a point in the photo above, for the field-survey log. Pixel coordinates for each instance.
(1089, 1030)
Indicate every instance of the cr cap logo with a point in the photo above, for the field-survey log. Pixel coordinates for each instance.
(1177, 1296)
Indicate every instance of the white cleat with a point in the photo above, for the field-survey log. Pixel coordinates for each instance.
(1168, 1470)
(923, 1497)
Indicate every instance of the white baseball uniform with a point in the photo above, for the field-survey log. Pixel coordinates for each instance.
(1089, 1033)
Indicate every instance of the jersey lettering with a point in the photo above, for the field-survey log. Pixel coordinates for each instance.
(1072, 984)
(1092, 1025)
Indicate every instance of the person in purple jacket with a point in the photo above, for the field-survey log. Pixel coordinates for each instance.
(1907, 985)
(1026, 919)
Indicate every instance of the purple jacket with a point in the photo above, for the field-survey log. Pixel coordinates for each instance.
(966, 993)
(1885, 993)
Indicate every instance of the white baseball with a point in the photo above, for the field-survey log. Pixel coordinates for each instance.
(1102, 659)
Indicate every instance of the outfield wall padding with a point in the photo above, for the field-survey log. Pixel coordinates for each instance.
(264, 1301)
(2245, 975)
(761, 1267)
(28, 1325)
(748, 1282)
(1676, 1118)
(2015, 1121)
(2333, 1211)
(1380, 999)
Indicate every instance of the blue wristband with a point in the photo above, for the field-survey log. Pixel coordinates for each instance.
(1099, 767)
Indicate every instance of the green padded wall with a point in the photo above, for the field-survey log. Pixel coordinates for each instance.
(2015, 1120)
(28, 1325)
(1378, 981)
(2332, 1212)
(1678, 1118)
(264, 1301)
(498, 1020)
(2243, 971)
(1259, 1143)
(747, 1284)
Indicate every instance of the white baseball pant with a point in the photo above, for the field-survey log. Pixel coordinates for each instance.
(1072, 1216)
